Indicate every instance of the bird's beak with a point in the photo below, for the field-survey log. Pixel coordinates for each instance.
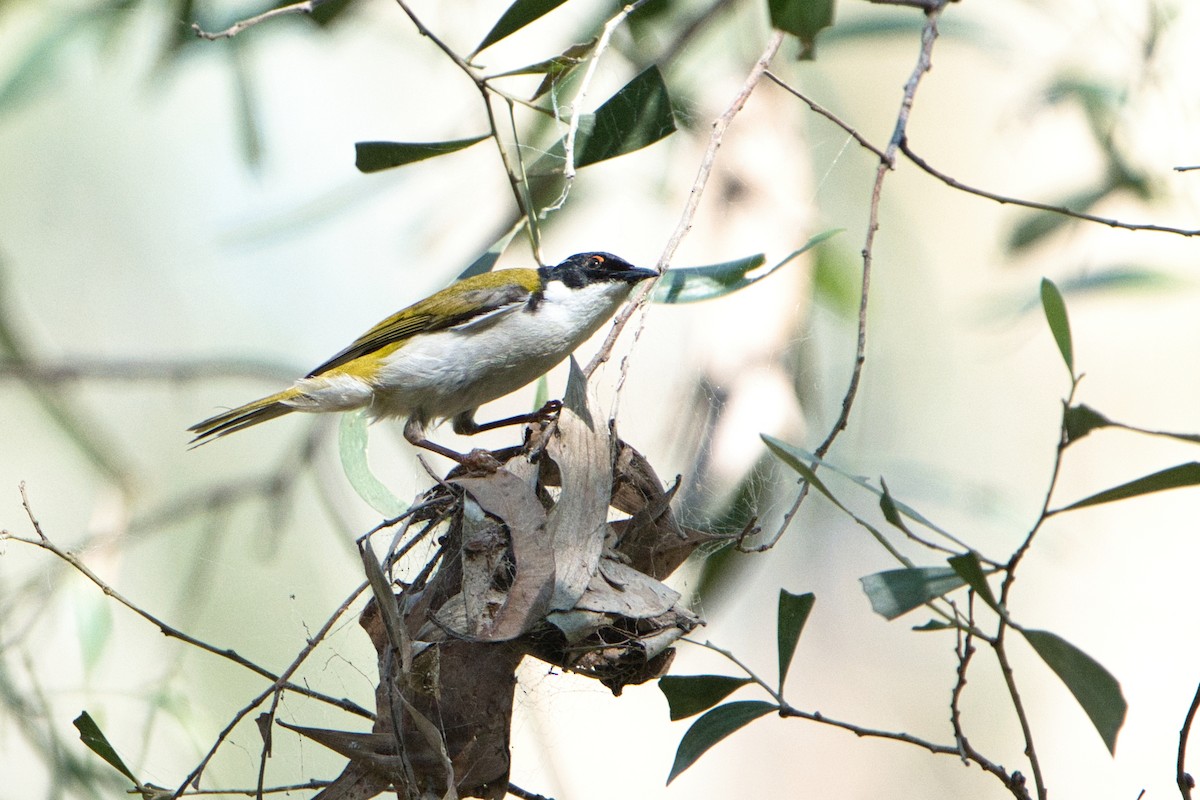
(634, 275)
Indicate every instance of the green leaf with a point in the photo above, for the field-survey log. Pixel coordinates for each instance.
(889, 508)
(1080, 420)
(518, 15)
(793, 613)
(934, 625)
(712, 728)
(793, 458)
(693, 284)
(1176, 477)
(91, 735)
(688, 695)
(804, 19)
(555, 69)
(636, 116)
(806, 457)
(1060, 326)
(376, 156)
(352, 448)
(1094, 687)
(970, 570)
(639, 114)
(895, 592)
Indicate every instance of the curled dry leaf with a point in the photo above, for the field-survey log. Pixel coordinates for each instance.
(529, 565)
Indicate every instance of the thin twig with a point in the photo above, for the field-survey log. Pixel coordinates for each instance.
(515, 175)
(47, 544)
(1016, 201)
(827, 114)
(998, 647)
(585, 83)
(295, 787)
(170, 370)
(1182, 778)
(788, 710)
(924, 63)
(720, 125)
(280, 684)
(1046, 512)
(305, 7)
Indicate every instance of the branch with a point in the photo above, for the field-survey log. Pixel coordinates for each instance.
(829, 115)
(279, 685)
(720, 125)
(888, 158)
(305, 7)
(1184, 780)
(1006, 200)
(1013, 782)
(171, 370)
(1019, 706)
(45, 543)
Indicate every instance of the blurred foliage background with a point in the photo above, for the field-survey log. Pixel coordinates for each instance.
(182, 228)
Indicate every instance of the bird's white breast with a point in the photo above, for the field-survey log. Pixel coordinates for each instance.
(439, 375)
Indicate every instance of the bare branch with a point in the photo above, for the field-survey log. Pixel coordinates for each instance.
(305, 7)
(1182, 778)
(720, 125)
(827, 114)
(924, 63)
(47, 544)
(1016, 201)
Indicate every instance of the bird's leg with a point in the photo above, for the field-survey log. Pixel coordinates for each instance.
(414, 432)
(465, 424)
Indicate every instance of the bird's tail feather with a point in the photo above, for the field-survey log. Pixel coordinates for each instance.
(242, 417)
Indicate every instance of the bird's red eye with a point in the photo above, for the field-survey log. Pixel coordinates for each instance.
(597, 260)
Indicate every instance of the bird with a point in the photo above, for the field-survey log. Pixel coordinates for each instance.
(439, 359)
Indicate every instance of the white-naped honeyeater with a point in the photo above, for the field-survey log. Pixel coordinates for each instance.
(442, 357)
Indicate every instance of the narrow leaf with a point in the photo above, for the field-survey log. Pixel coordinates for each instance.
(1176, 477)
(91, 735)
(1094, 687)
(1080, 420)
(688, 695)
(933, 625)
(809, 457)
(712, 728)
(888, 506)
(802, 18)
(970, 570)
(794, 459)
(352, 448)
(1060, 326)
(376, 156)
(895, 592)
(518, 15)
(692, 284)
(639, 114)
(793, 613)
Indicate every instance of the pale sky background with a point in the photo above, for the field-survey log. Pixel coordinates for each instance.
(132, 227)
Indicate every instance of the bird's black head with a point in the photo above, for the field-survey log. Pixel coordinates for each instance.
(583, 269)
